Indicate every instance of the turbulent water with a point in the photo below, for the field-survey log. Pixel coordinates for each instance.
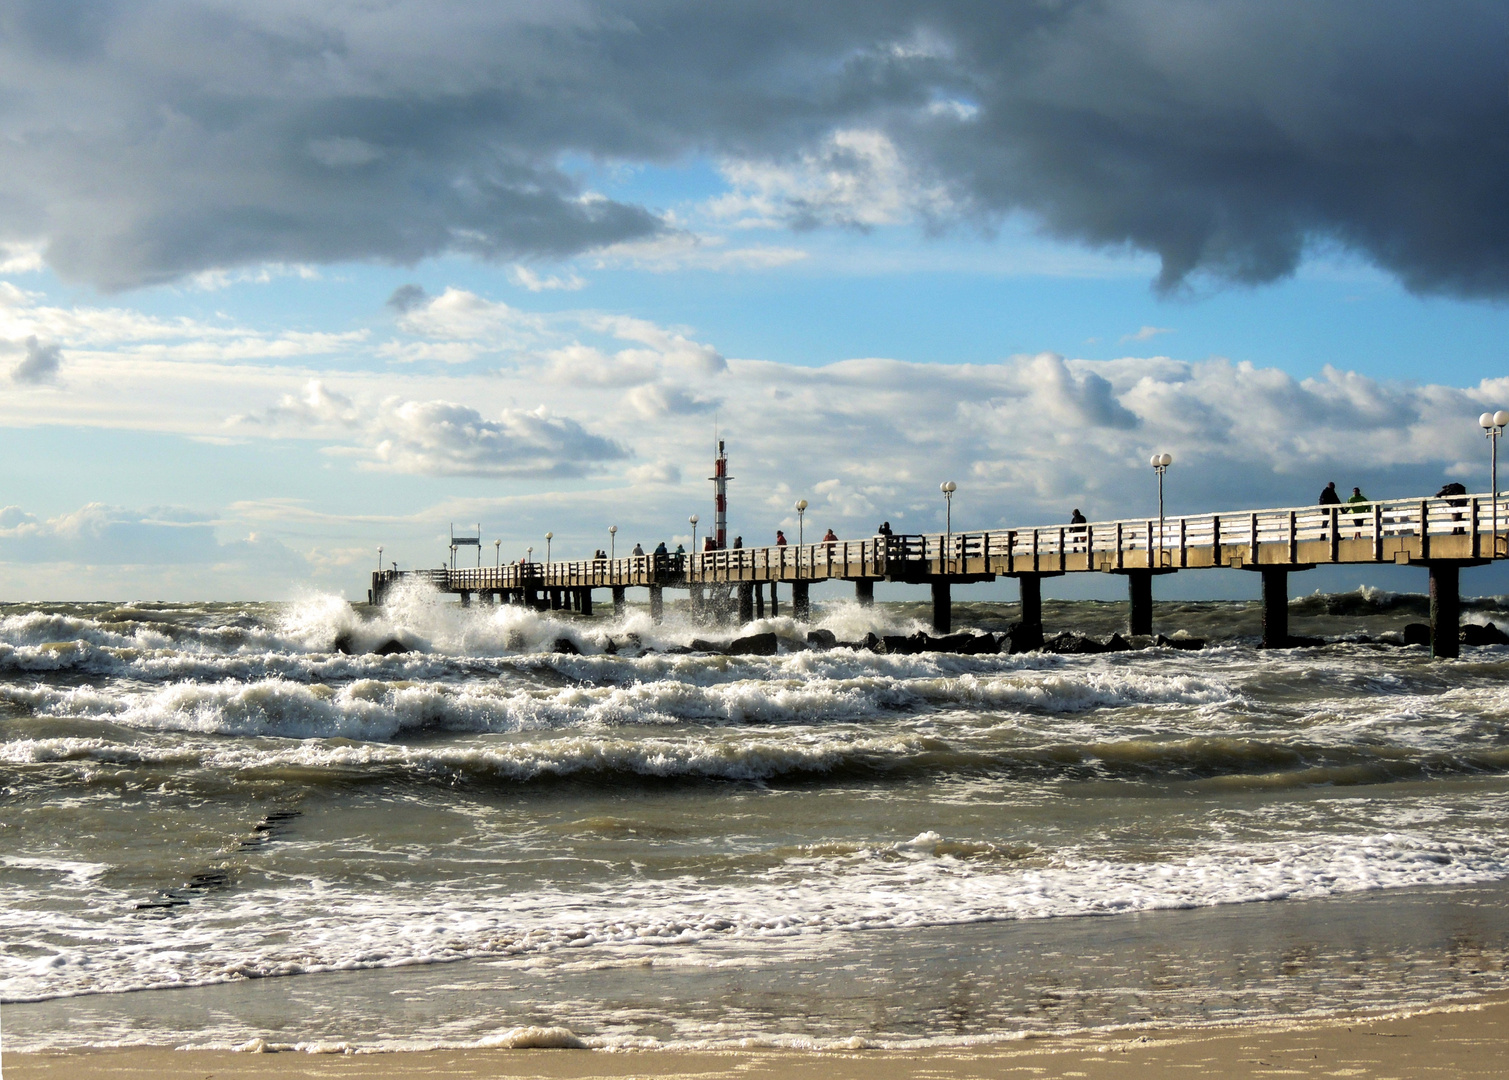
(482, 837)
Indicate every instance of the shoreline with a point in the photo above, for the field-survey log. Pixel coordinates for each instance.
(1461, 1039)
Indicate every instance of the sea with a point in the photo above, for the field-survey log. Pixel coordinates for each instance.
(218, 829)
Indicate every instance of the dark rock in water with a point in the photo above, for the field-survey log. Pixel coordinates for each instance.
(822, 639)
(980, 645)
(1020, 638)
(1187, 643)
(344, 644)
(678, 650)
(1140, 641)
(699, 645)
(897, 645)
(754, 645)
(1417, 633)
(873, 643)
(391, 647)
(1297, 641)
(610, 647)
(634, 640)
(1474, 634)
(566, 646)
(515, 640)
(1069, 644)
(855, 645)
(1116, 643)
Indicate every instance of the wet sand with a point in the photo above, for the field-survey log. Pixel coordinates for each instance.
(1470, 1040)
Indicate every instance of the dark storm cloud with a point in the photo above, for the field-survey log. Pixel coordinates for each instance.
(406, 298)
(149, 140)
(40, 365)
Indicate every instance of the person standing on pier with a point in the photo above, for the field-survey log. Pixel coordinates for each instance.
(1077, 527)
(780, 538)
(1357, 503)
(830, 537)
(1328, 496)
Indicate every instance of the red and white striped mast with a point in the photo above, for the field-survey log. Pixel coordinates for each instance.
(720, 479)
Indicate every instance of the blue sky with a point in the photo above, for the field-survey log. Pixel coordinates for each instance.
(262, 346)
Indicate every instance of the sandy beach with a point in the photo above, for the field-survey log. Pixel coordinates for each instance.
(1468, 1040)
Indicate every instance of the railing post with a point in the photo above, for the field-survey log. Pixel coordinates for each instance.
(1472, 518)
(1120, 553)
(1424, 529)
(1215, 538)
(1062, 561)
(1252, 542)
(1183, 543)
(1036, 559)
(1335, 515)
(1377, 532)
(1293, 538)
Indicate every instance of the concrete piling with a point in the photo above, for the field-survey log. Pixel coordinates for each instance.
(801, 607)
(746, 602)
(1445, 610)
(1032, 604)
(1275, 607)
(943, 613)
(619, 601)
(1140, 602)
(657, 604)
(864, 592)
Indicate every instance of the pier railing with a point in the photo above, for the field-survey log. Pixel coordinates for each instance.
(1459, 527)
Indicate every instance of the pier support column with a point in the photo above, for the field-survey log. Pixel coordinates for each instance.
(759, 599)
(584, 604)
(746, 603)
(1140, 602)
(1445, 610)
(1032, 606)
(801, 607)
(657, 604)
(775, 601)
(943, 609)
(864, 592)
(618, 601)
(466, 599)
(1275, 607)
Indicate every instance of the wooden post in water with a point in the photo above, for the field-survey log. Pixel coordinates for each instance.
(1140, 598)
(864, 592)
(759, 599)
(746, 602)
(775, 601)
(943, 613)
(466, 598)
(618, 601)
(657, 603)
(584, 603)
(801, 606)
(1275, 607)
(1445, 611)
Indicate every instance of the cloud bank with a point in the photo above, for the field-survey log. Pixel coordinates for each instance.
(164, 138)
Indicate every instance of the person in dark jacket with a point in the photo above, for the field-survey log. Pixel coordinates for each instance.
(1076, 529)
(780, 538)
(1328, 496)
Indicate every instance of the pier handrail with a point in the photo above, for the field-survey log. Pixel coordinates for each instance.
(1103, 545)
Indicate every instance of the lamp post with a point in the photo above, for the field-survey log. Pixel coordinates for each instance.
(529, 555)
(801, 508)
(1160, 464)
(1493, 426)
(379, 558)
(948, 487)
(693, 519)
(453, 556)
(548, 537)
(498, 552)
(612, 540)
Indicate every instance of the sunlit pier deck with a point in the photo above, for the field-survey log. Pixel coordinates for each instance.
(1442, 535)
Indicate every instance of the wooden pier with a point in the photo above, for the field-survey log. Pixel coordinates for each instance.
(1443, 535)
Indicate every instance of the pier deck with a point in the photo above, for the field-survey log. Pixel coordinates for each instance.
(1441, 534)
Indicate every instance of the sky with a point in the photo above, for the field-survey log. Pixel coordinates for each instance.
(282, 284)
